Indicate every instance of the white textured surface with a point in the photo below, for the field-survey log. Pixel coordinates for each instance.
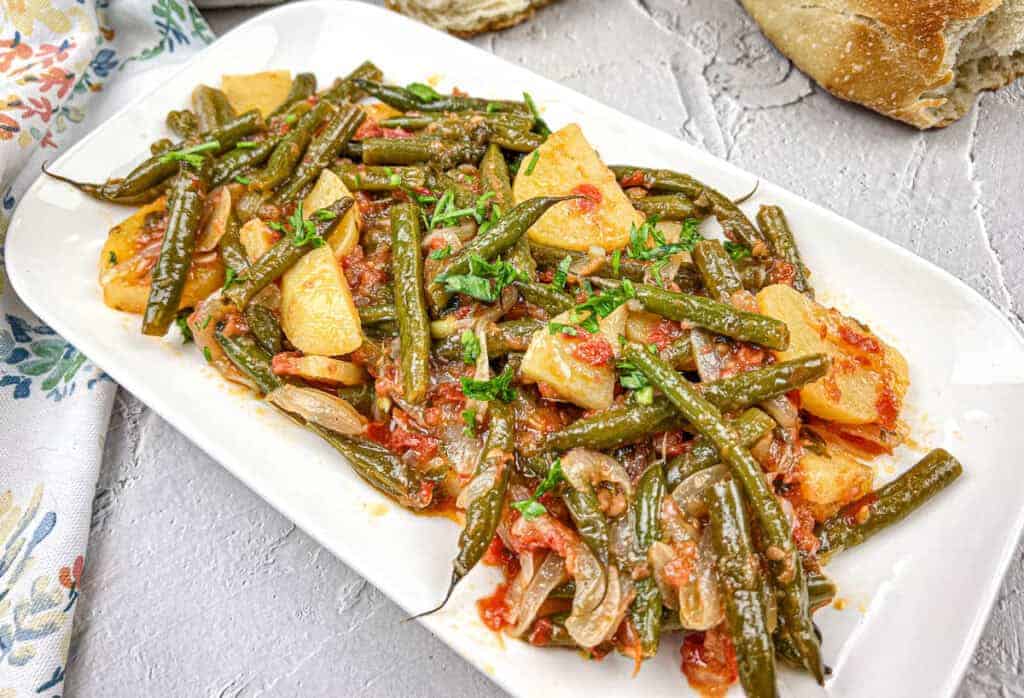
(197, 587)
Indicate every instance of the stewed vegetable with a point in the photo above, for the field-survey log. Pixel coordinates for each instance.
(648, 428)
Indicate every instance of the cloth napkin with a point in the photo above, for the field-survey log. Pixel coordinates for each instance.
(65, 66)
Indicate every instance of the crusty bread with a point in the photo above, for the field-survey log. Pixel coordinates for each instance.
(919, 61)
(468, 17)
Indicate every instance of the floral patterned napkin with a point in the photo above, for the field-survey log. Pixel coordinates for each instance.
(65, 66)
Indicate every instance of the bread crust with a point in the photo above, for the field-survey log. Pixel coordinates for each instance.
(462, 20)
(898, 57)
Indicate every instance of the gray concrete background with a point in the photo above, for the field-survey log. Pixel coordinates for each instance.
(196, 587)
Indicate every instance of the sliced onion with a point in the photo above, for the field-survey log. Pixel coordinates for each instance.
(216, 212)
(529, 563)
(676, 528)
(700, 603)
(591, 628)
(710, 363)
(658, 556)
(203, 323)
(329, 411)
(551, 574)
(689, 494)
(591, 263)
(584, 468)
(782, 410)
(481, 483)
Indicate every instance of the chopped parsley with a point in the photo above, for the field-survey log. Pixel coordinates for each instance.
(540, 126)
(470, 347)
(469, 419)
(632, 378)
(422, 92)
(442, 253)
(736, 250)
(562, 328)
(291, 119)
(649, 244)
(497, 388)
(207, 354)
(562, 273)
(492, 107)
(533, 163)
(193, 156)
(616, 262)
(477, 283)
(243, 180)
(601, 305)
(246, 145)
(324, 215)
(182, 322)
(532, 508)
(229, 277)
(303, 231)
(447, 213)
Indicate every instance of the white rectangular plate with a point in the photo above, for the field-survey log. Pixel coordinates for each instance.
(916, 597)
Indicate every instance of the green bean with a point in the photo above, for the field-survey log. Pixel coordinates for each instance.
(721, 279)
(750, 427)
(626, 422)
(231, 249)
(670, 207)
(159, 147)
(372, 314)
(303, 87)
(545, 296)
(563, 591)
(755, 274)
(379, 177)
(733, 221)
(629, 268)
(889, 504)
(550, 631)
(184, 209)
(321, 151)
(717, 317)
(743, 597)
(707, 420)
(494, 177)
(772, 222)
(645, 611)
(183, 123)
(381, 468)
(498, 238)
(250, 358)
(415, 151)
(679, 354)
(820, 590)
(282, 256)
(345, 89)
(211, 108)
(107, 191)
(361, 397)
(591, 524)
(290, 148)
(410, 303)
(402, 99)
(415, 122)
(502, 338)
(240, 160)
(264, 325)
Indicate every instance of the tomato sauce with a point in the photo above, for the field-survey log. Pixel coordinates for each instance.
(594, 350)
(709, 662)
(493, 609)
(592, 197)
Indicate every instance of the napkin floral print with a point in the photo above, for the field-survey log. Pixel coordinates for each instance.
(65, 65)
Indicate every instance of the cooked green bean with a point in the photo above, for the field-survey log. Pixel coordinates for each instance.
(360, 397)
(431, 120)
(670, 207)
(379, 177)
(303, 87)
(184, 209)
(250, 358)
(289, 149)
(545, 296)
(721, 278)
(321, 151)
(346, 90)
(237, 162)
(415, 151)
(629, 268)
(820, 590)
(211, 108)
(794, 614)
(750, 427)
(410, 303)
(717, 317)
(679, 354)
(283, 255)
(738, 573)
(372, 314)
(494, 177)
(645, 611)
(589, 520)
(773, 224)
(183, 123)
(404, 100)
(231, 249)
(889, 504)
(502, 338)
(264, 325)
(749, 387)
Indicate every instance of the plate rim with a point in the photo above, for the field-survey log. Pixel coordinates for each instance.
(153, 400)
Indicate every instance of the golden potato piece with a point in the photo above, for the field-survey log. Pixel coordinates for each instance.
(265, 91)
(567, 164)
(829, 483)
(321, 369)
(256, 237)
(378, 111)
(868, 379)
(317, 312)
(122, 240)
(328, 189)
(550, 359)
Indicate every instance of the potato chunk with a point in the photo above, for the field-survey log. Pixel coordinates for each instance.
(256, 237)
(321, 369)
(265, 91)
(567, 164)
(829, 483)
(127, 259)
(554, 361)
(317, 312)
(868, 379)
(328, 189)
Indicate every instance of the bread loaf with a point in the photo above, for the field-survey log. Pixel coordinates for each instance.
(468, 17)
(920, 61)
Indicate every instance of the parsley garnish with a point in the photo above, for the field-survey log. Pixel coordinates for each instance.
(469, 419)
(602, 305)
(616, 262)
(111, 258)
(477, 283)
(539, 124)
(562, 273)
(470, 347)
(422, 92)
(532, 508)
(639, 239)
(445, 212)
(206, 322)
(492, 107)
(324, 214)
(190, 155)
(186, 333)
(562, 328)
(497, 388)
(207, 354)
(243, 180)
(442, 253)
(290, 119)
(229, 277)
(533, 163)
(303, 231)
(736, 250)
(244, 145)
(632, 378)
